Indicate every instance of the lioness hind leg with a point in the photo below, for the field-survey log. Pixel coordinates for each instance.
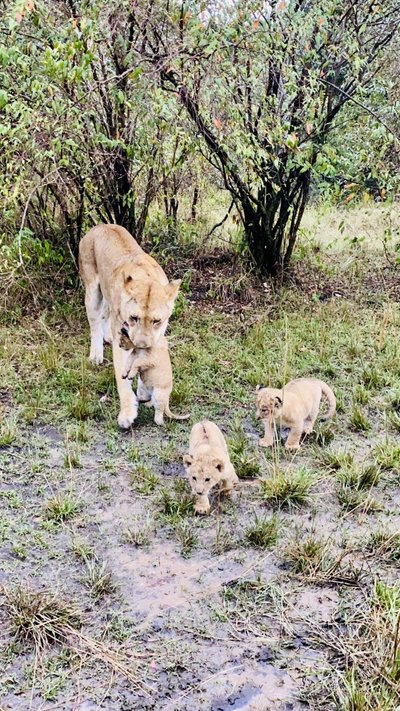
(94, 310)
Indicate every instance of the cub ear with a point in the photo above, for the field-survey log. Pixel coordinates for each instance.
(187, 460)
(218, 463)
(278, 400)
(172, 289)
(259, 387)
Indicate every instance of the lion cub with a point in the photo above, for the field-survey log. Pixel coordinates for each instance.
(295, 406)
(208, 464)
(155, 375)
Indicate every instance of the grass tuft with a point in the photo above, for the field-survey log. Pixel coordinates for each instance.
(387, 455)
(187, 537)
(287, 488)
(263, 533)
(178, 501)
(61, 508)
(98, 578)
(243, 457)
(40, 617)
(358, 420)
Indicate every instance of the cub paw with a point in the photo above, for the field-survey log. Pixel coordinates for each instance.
(293, 447)
(265, 442)
(202, 509)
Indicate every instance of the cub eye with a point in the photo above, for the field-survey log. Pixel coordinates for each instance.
(134, 319)
(207, 478)
(156, 321)
(194, 478)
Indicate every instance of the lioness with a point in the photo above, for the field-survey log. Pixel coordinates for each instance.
(295, 406)
(123, 284)
(155, 375)
(208, 464)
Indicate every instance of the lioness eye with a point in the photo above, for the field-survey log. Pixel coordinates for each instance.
(157, 321)
(207, 478)
(134, 319)
(194, 478)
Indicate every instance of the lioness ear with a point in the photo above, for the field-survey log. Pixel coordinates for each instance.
(278, 400)
(218, 463)
(187, 460)
(172, 289)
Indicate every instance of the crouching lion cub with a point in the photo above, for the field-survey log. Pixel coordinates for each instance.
(208, 464)
(295, 406)
(155, 375)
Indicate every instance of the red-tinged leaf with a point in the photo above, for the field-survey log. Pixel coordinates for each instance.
(308, 128)
(281, 5)
(349, 197)
(256, 24)
(19, 16)
(321, 21)
(30, 6)
(218, 123)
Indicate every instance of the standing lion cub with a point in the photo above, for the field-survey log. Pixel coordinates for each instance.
(208, 464)
(295, 406)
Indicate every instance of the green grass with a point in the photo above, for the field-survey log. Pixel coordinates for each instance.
(98, 578)
(263, 533)
(286, 488)
(244, 458)
(176, 502)
(41, 617)
(62, 508)
(187, 536)
(387, 455)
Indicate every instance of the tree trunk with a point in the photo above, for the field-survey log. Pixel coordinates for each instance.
(272, 226)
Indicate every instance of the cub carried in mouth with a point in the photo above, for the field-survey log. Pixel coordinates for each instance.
(155, 375)
(295, 406)
(208, 464)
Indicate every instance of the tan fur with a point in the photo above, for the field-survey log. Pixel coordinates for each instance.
(155, 376)
(123, 284)
(295, 406)
(208, 464)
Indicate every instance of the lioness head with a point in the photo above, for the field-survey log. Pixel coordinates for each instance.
(268, 403)
(204, 471)
(145, 309)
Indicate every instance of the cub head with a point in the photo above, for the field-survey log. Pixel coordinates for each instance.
(145, 309)
(204, 471)
(268, 403)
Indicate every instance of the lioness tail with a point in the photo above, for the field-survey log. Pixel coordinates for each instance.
(326, 390)
(175, 417)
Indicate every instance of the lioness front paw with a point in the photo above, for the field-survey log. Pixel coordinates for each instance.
(263, 442)
(96, 357)
(126, 418)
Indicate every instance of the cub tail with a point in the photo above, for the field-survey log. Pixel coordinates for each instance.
(329, 394)
(176, 417)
